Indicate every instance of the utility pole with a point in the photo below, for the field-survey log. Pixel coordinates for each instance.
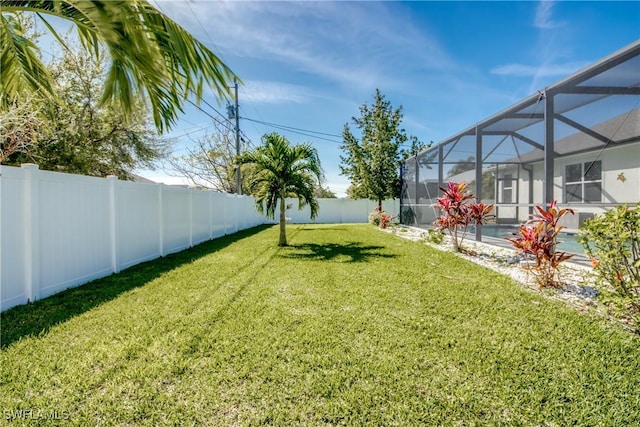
(237, 114)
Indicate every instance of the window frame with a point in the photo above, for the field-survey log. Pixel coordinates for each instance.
(506, 178)
(583, 183)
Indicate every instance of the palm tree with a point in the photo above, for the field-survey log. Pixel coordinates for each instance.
(281, 171)
(150, 55)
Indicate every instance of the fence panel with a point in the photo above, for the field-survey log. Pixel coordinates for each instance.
(176, 215)
(218, 202)
(295, 215)
(231, 217)
(137, 233)
(200, 215)
(245, 212)
(357, 211)
(331, 211)
(73, 227)
(13, 240)
(60, 230)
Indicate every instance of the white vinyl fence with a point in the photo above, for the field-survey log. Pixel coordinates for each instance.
(60, 230)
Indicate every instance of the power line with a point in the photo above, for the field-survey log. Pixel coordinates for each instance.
(246, 94)
(305, 132)
(215, 119)
(292, 128)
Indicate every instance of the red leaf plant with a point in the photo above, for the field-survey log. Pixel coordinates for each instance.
(538, 238)
(458, 212)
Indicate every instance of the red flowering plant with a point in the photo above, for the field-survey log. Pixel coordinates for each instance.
(538, 238)
(380, 218)
(458, 212)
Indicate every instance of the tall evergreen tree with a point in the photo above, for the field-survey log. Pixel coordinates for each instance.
(372, 163)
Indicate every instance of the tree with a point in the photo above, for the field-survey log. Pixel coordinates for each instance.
(76, 135)
(356, 192)
(488, 177)
(211, 163)
(462, 166)
(416, 147)
(321, 192)
(488, 185)
(281, 171)
(19, 130)
(150, 56)
(372, 163)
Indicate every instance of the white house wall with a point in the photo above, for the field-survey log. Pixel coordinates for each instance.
(623, 160)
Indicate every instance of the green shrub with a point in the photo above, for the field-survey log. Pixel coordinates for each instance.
(612, 240)
(374, 218)
(435, 236)
(380, 218)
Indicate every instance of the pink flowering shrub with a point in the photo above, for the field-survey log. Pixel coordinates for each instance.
(538, 237)
(458, 212)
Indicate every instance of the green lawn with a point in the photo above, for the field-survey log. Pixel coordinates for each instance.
(348, 326)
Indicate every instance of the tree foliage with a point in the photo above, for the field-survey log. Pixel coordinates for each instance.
(211, 162)
(372, 162)
(321, 192)
(20, 128)
(488, 185)
(77, 134)
(415, 148)
(283, 170)
(612, 241)
(150, 56)
(462, 166)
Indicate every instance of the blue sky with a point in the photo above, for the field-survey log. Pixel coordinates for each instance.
(311, 65)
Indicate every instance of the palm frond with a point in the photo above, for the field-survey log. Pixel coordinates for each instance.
(151, 55)
(282, 171)
(21, 70)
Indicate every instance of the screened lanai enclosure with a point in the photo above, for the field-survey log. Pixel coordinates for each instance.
(576, 142)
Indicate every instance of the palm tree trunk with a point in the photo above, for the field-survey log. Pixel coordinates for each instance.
(283, 222)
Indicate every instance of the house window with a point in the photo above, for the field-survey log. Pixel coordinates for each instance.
(583, 182)
(507, 188)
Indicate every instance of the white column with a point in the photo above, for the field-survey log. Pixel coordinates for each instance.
(210, 212)
(160, 221)
(113, 224)
(32, 231)
(191, 217)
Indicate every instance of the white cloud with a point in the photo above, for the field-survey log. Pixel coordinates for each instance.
(270, 92)
(544, 16)
(349, 44)
(545, 70)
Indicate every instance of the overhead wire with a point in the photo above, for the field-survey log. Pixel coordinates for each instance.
(300, 131)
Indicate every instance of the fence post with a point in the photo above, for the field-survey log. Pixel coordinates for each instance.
(191, 217)
(113, 224)
(32, 231)
(210, 212)
(160, 221)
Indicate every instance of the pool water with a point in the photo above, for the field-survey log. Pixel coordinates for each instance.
(567, 242)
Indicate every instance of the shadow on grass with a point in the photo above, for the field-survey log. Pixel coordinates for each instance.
(37, 318)
(349, 252)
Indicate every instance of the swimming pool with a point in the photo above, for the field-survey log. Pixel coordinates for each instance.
(567, 242)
